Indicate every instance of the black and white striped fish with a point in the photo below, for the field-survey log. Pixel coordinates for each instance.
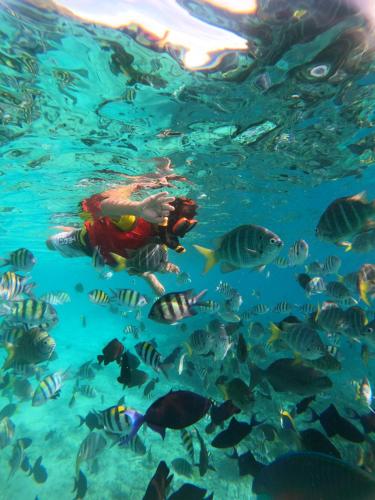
(132, 330)
(128, 298)
(28, 311)
(226, 289)
(89, 449)
(21, 259)
(174, 306)
(99, 297)
(283, 307)
(13, 285)
(56, 298)
(49, 388)
(187, 442)
(298, 253)
(259, 309)
(115, 419)
(149, 355)
(331, 265)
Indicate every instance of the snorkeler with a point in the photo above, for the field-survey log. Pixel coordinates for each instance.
(120, 227)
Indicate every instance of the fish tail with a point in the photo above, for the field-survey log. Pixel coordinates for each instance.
(363, 289)
(120, 262)
(81, 420)
(100, 358)
(209, 255)
(314, 416)
(275, 333)
(28, 289)
(164, 367)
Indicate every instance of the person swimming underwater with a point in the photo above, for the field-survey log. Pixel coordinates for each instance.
(120, 227)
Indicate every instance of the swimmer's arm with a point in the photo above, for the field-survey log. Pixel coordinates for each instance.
(154, 208)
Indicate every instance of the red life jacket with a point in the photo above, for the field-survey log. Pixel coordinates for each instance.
(105, 235)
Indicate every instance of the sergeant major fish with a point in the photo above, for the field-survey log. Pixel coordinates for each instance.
(174, 306)
(246, 246)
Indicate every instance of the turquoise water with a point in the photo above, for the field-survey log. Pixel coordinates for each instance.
(72, 110)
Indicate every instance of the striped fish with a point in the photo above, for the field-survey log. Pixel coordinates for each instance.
(129, 298)
(174, 306)
(99, 297)
(337, 290)
(314, 268)
(283, 307)
(187, 442)
(56, 298)
(90, 447)
(307, 308)
(246, 246)
(21, 259)
(29, 311)
(149, 355)
(301, 339)
(208, 306)
(330, 317)
(12, 285)
(331, 265)
(86, 370)
(115, 419)
(315, 286)
(259, 309)
(12, 335)
(150, 258)
(298, 253)
(200, 342)
(355, 320)
(49, 388)
(133, 330)
(225, 289)
(344, 218)
(282, 262)
(87, 390)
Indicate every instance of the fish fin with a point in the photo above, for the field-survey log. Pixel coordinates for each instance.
(100, 358)
(348, 246)
(257, 375)
(209, 255)
(228, 268)
(251, 251)
(195, 299)
(164, 367)
(297, 358)
(4, 309)
(158, 429)
(81, 420)
(5, 262)
(260, 269)
(275, 334)
(137, 420)
(362, 196)
(188, 348)
(224, 391)
(10, 358)
(363, 289)
(344, 244)
(120, 261)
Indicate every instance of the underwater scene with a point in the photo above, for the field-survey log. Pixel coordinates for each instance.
(187, 244)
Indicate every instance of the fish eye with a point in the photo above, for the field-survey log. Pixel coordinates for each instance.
(273, 241)
(319, 71)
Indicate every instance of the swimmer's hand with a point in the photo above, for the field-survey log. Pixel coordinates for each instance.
(156, 207)
(172, 268)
